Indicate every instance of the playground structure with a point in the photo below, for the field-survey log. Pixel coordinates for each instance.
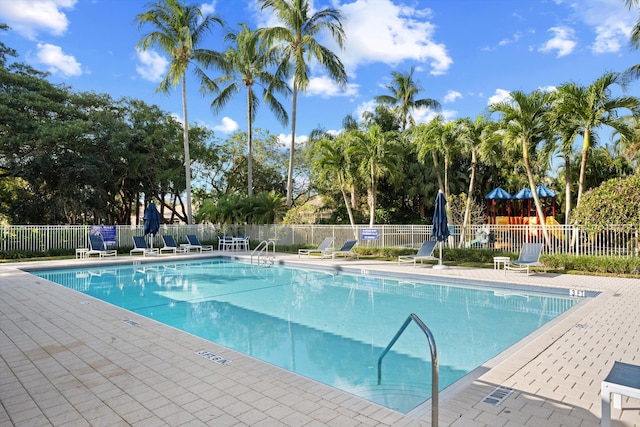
(507, 214)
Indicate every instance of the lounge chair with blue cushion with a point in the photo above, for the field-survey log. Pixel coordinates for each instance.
(97, 246)
(194, 243)
(529, 257)
(345, 250)
(171, 246)
(324, 246)
(140, 246)
(425, 252)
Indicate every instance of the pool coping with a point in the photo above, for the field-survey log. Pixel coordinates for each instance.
(531, 403)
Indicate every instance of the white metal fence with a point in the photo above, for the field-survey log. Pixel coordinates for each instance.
(615, 240)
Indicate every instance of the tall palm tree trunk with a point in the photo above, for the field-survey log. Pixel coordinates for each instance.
(187, 157)
(249, 145)
(583, 162)
(436, 167)
(567, 190)
(293, 140)
(372, 199)
(467, 208)
(536, 199)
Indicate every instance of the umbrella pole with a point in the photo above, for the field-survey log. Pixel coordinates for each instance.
(440, 266)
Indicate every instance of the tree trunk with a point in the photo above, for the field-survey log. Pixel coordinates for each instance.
(583, 162)
(250, 145)
(567, 190)
(467, 208)
(187, 157)
(536, 199)
(293, 141)
(436, 167)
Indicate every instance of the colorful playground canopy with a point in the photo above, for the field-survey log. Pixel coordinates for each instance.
(543, 192)
(498, 194)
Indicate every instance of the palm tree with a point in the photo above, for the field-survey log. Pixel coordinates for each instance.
(403, 92)
(593, 107)
(297, 39)
(329, 157)
(376, 153)
(179, 31)
(474, 134)
(248, 61)
(565, 129)
(426, 137)
(523, 123)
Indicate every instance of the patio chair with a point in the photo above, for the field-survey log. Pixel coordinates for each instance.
(425, 252)
(323, 246)
(140, 246)
(194, 243)
(529, 257)
(98, 247)
(345, 250)
(225, 243)
(170, 245)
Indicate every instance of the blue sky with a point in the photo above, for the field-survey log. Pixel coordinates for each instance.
(467, 53)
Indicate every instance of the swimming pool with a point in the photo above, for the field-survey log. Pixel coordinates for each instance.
(326, 325)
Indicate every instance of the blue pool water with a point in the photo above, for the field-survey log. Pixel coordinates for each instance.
(328, 326)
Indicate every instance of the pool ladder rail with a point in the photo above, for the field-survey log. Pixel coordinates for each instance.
(263, 256)
(434, 362)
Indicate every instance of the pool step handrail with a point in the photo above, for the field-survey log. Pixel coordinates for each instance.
(434, 362)
(262, 253)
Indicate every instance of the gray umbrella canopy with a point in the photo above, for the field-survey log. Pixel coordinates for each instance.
(151, 220)
(440, 230)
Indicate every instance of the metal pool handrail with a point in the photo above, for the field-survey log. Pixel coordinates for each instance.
(434, 362)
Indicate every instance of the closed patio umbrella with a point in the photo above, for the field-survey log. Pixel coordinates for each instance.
(151, 221)
(440, 230)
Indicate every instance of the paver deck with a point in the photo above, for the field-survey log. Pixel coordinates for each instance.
(68, 359)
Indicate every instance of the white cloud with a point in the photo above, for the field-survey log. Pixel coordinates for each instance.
(501, 95)
(451, 96)
(228, 126)
(152, 66)
(610, 20)
(425, 115)
(380, 31)
(326, 88)
(563, 41)
(285, 140)
(369, 106)
(57, 61)
(517, 36)
(208, 8)
(28, 17)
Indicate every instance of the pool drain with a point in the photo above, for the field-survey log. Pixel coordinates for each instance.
(498, 395)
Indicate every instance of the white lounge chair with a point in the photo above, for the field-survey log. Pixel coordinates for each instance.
(323, 246)
(194, 243)
(345, 250)
(98, 247)
(170, 245)
(529, 257)
(140, 246)
(425, 252)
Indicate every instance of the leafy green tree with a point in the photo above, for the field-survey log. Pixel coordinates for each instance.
(249, 62)
(427, 137)
(297, 36)
(592, 107)
(473, 137)
(332, 164)
(523, 123)
(614, 202)
(376, 153)
(403, 93)
(179, 31)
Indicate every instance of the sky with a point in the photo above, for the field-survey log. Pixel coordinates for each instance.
(466, 53)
